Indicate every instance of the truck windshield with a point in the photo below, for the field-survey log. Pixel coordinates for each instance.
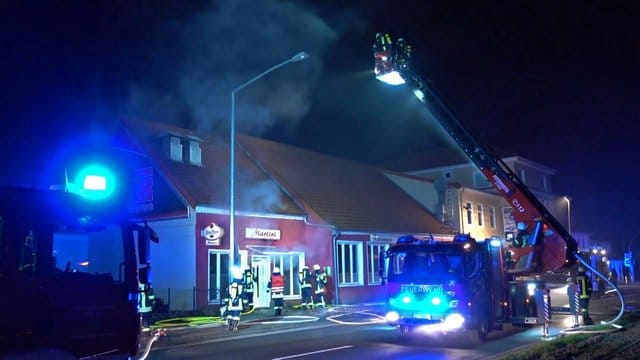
(425, 264)
(40, 251)
(96, 252)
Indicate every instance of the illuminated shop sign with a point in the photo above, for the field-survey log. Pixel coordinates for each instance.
(265, 234)
(212, 234)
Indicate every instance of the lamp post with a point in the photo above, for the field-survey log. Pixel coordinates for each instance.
(568, 200)
(297, 57)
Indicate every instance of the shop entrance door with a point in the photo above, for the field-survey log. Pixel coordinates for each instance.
(262, 266)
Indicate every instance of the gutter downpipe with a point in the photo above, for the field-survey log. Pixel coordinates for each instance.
(334, 236)
(460, 212)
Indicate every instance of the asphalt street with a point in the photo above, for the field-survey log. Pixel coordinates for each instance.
(357, 332)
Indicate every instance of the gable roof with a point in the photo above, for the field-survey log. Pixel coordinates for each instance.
(208, 185)
(435, 158)
(329, 190)
(352, 196)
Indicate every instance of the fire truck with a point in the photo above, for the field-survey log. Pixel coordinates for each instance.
(73, 267)
(462, 284)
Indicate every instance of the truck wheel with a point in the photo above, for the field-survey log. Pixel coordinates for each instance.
(480, 333)
(404, 330)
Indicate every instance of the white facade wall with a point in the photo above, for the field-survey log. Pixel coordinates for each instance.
(177, 252)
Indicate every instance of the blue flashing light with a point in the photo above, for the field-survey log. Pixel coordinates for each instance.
(434, 302)
(462, 238)
(495, 242)
(93, 182)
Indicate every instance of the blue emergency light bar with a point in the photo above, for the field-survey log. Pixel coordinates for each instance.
(93, 182)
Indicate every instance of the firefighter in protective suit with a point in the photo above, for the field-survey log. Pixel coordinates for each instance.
(321, 284)
(522, 237)
(233, 302)
(276, 286)
(248, 278)
(584, 281)
(304, 278)
(234, 306)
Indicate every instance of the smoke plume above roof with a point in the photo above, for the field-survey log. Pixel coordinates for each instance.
(195, 63)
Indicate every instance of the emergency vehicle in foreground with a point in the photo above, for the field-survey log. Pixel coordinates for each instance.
(71, 268)
(445, 285)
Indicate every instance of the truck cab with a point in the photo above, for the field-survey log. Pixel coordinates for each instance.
(70, 269)
(437, 286)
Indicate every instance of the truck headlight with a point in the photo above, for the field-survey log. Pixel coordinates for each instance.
(392, 316)
(453, 321)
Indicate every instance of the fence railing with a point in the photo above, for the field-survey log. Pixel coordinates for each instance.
(189, 299)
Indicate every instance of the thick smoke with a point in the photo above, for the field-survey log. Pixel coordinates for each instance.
(196, 63)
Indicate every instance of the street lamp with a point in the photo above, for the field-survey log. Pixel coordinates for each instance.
(297, 57)
(568, 200)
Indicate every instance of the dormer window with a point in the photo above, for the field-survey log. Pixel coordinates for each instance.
(182, 148)
(175, 148)
(193, 152)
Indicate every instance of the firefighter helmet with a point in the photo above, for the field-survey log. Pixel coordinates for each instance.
(276, 270)
(316, 267)
(521, 226)
(546, 230)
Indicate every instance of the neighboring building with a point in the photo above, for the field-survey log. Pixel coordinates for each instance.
(293, 207)
(466, 201)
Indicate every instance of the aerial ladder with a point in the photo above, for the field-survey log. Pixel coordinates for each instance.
(553, 249)
(393, 64)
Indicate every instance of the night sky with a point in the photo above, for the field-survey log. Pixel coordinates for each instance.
(556, 82)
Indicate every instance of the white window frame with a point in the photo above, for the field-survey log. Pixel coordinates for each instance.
(492, 217)
(480, 213)
(291, 291)
(355, 260)
(220, 284)
(468, 206)
(373, 251)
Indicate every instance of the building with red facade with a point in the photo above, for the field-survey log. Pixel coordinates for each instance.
(293, 208)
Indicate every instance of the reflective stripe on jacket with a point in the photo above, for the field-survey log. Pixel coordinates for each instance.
(277, 283)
